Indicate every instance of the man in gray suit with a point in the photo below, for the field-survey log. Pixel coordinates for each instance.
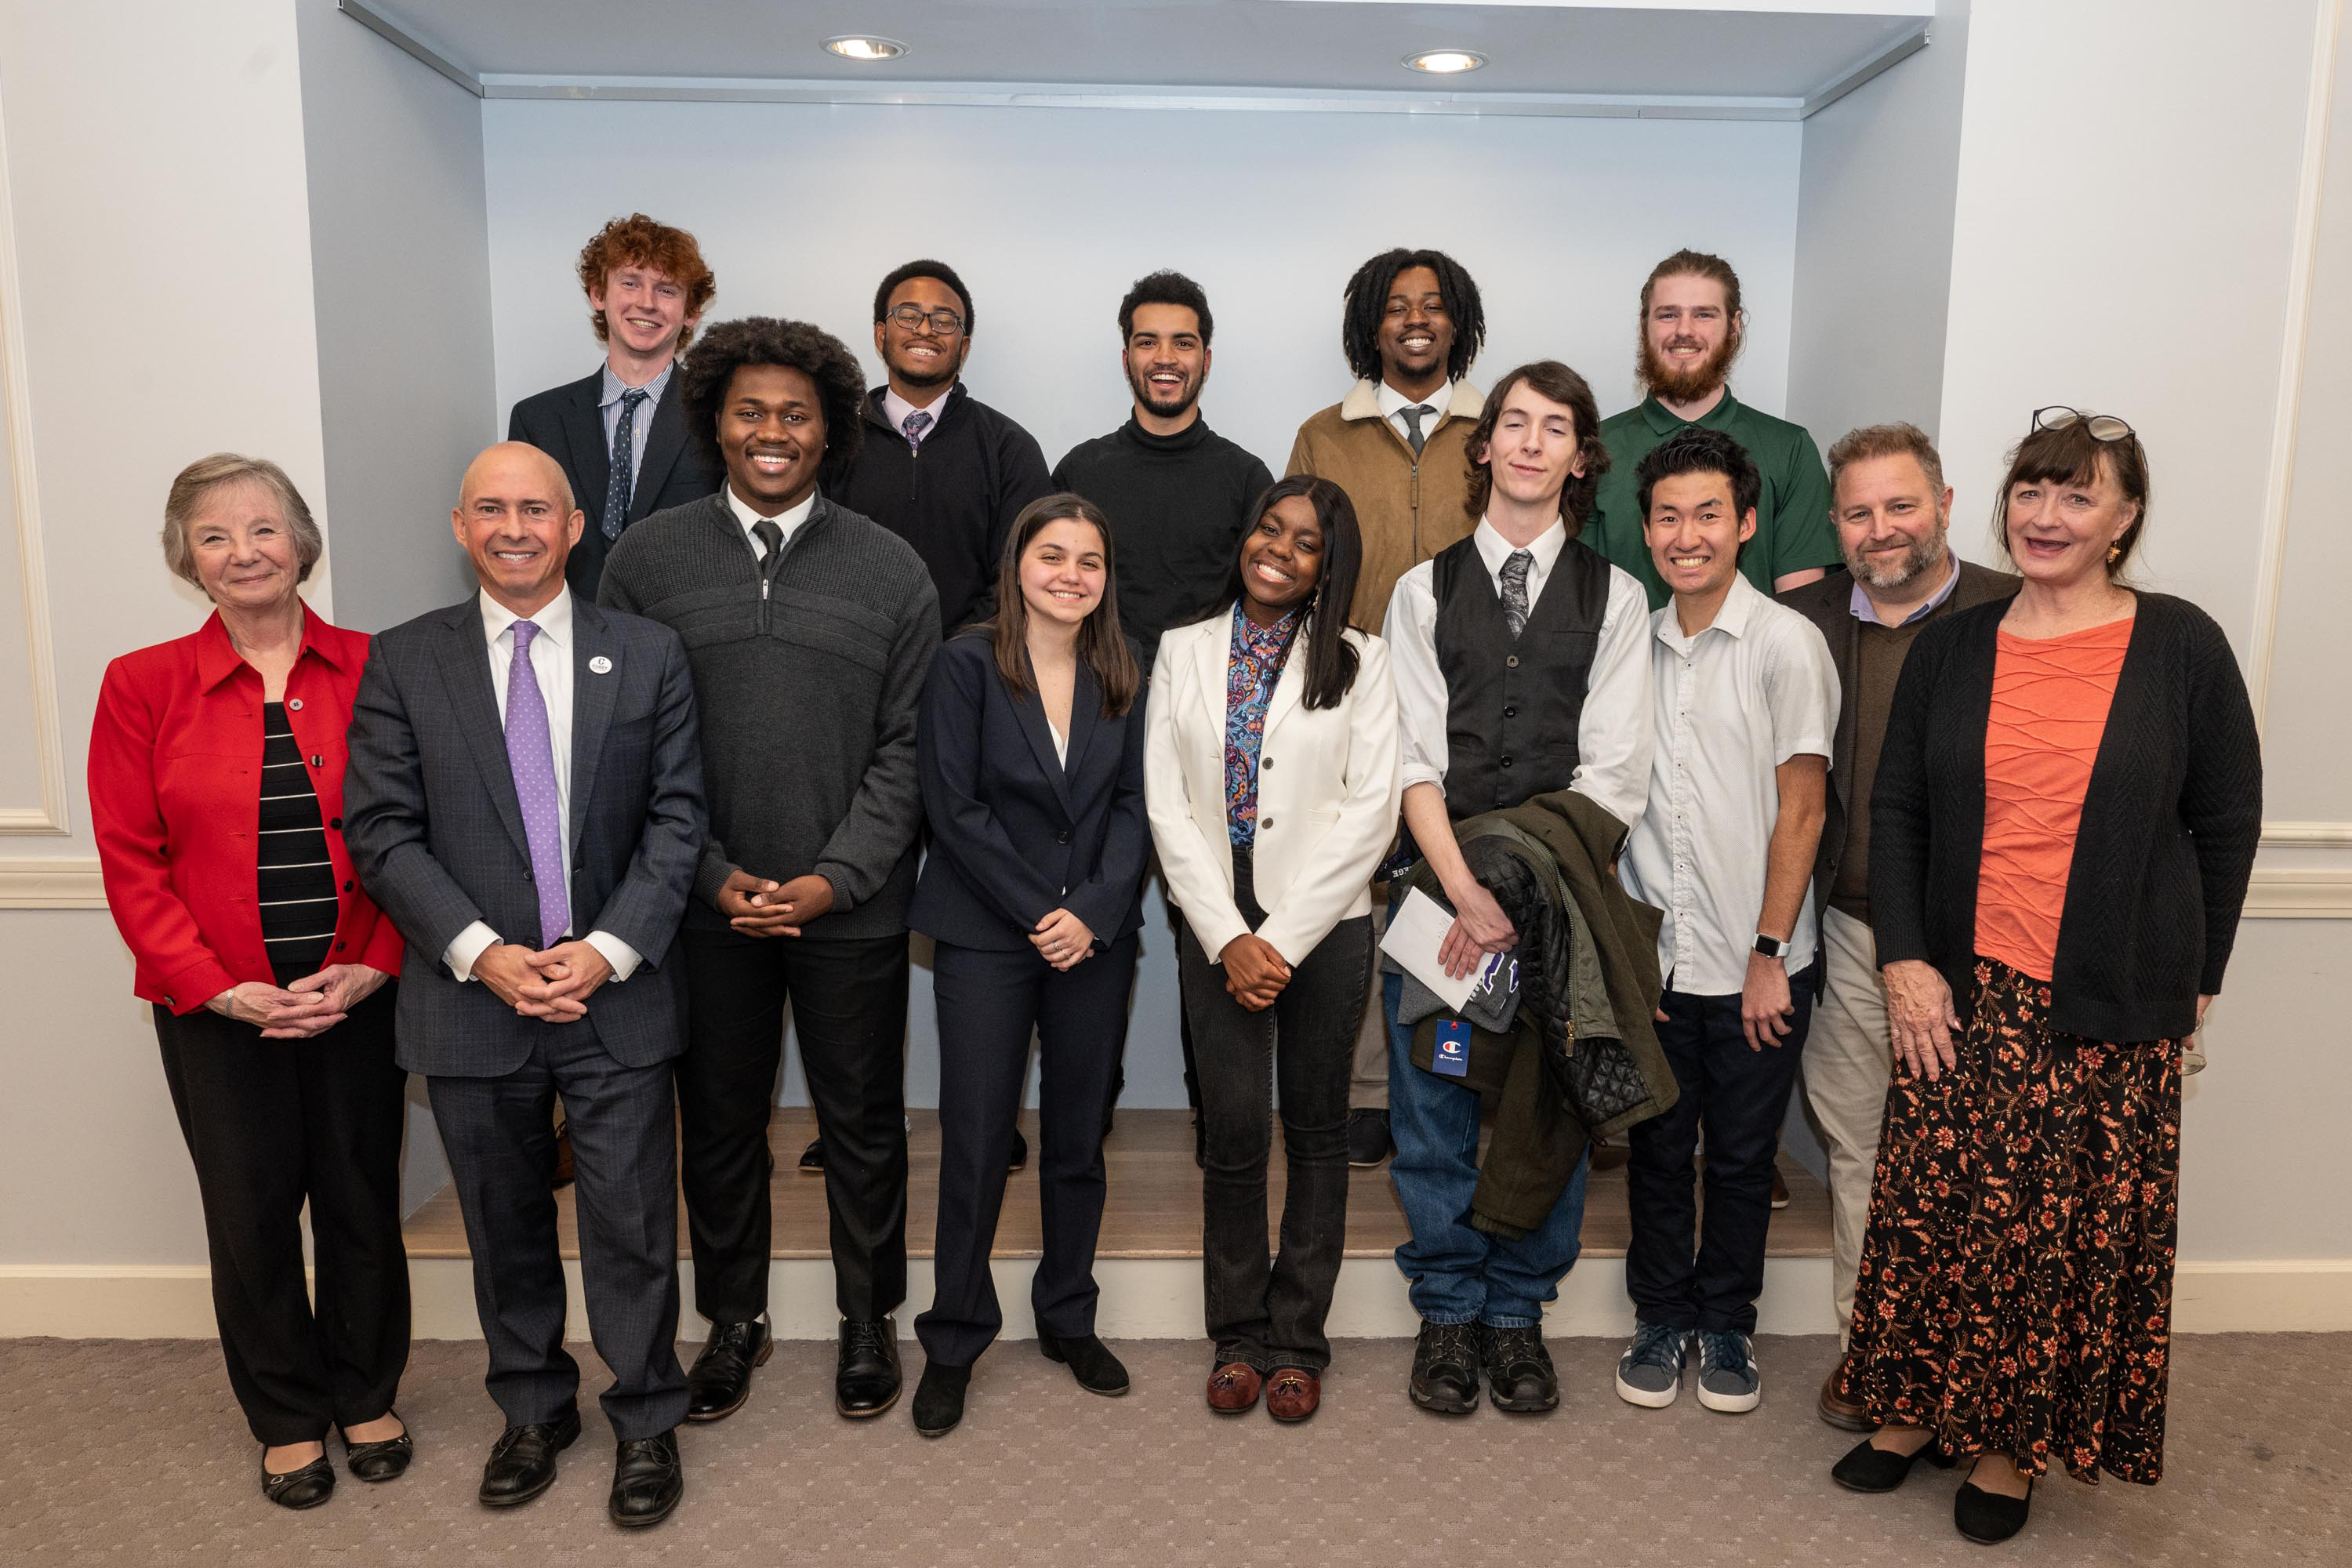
(524, 799)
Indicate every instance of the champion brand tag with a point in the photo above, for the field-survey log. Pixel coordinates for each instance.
(1451, 1057)
(599, 665)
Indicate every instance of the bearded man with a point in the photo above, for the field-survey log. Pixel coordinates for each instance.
(1691, 331)
(1892, 512)
(1177, 493)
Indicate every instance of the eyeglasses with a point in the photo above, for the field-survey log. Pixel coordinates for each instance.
(944, 322)
(2098, 427)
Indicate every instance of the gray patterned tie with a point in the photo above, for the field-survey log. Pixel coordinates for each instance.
(1514, 591)
(625, 465)
(914, 424)
(1413, 418)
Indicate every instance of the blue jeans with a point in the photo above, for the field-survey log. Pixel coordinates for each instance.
(1461, 1275)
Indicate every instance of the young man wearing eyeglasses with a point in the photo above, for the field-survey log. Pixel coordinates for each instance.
(939, 468)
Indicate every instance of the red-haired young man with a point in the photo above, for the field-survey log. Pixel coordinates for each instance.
(616, 434)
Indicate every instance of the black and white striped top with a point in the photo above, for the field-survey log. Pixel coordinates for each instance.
(295, 885)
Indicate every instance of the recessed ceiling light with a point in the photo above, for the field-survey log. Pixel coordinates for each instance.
(1445, 62)
(857, 46)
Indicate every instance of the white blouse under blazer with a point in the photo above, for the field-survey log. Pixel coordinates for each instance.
(1328, 788)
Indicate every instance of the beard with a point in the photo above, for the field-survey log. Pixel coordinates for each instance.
(1142, 386)
(928, 378)
(1701, 380)
(1925, 555)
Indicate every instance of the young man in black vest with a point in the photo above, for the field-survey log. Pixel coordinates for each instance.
(1522, 666)
(617, 433)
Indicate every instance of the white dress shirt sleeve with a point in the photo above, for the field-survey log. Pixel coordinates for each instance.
(465, 947)
(1615, 739)
(624, 958)
(1411, 633)
(1801, 690)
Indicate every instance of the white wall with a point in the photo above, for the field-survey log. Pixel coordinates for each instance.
(2127, 213)
(1874, 243)
(156, 185)
(1050, 213)
(400, 244)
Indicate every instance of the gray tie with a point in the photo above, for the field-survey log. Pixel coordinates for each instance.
(624, 483)
(1413, 418)
(1514, 591)
(915, 424)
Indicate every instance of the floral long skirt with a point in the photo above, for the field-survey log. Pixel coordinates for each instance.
(2016, 1287)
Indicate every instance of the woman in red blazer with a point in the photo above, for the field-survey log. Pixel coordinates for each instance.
(216, 783)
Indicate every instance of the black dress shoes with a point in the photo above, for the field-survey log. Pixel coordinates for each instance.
(384, 1460)
(939, 1398)
(647, 1480)
(1867, 1469)
(720, 1379)
(1089, 1361)
(1369, 1143)
(523, 1461)
(1519, 1375)
(1445, 1368)
(1989, 1518)
(865, 1379)
(309, 1486)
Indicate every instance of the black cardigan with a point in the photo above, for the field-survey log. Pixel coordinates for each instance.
(2167, 834)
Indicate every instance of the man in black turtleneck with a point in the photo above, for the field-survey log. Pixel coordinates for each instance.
(1177, 493)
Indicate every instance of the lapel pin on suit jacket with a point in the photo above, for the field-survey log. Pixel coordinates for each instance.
(599, 665)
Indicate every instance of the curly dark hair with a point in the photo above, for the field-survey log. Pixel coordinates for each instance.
(1367, 299)
(1165, 288)
(705, 373)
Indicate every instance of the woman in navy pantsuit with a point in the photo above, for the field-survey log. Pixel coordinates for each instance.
(1031, 753)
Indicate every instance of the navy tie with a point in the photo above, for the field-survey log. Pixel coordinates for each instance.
(625, 465)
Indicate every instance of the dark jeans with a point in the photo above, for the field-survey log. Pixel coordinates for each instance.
(1733, 1099)
(271, 1124)
(1266, 1313)
(500, 1134)
(849, 1003)
(990, 1001)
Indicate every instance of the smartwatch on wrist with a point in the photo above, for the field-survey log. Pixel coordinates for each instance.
(1771, 946)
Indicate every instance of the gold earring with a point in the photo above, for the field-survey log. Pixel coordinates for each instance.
(2114, 553)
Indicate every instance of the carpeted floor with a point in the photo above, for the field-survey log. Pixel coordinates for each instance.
(132, 1452)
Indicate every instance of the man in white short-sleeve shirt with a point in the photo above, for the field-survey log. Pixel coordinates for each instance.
(1744, 702)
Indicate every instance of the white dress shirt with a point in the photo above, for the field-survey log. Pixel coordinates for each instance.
(789, 519)
(1731, 705)
(1394, 403)
(896, 409)
(551, 665)
(1613, 739)
(609, 406)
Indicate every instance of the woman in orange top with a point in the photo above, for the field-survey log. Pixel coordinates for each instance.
(2062, 830)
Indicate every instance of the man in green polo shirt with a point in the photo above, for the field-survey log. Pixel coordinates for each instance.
(1692, 330)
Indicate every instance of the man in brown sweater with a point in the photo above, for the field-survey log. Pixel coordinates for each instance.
(1399, 444)
(1892, 510)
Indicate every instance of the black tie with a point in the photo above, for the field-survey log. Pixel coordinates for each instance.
(1413, 418)
(771, 538)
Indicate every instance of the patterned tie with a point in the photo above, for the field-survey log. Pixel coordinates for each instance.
(914, 424)
(1413, 418)
(625, 465)
(530, 755)
(1514, 591)
(771, 538)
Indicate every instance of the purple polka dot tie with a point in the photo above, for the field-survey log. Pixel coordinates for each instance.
(530, 754)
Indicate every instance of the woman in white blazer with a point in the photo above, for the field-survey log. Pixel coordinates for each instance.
(1271, 774)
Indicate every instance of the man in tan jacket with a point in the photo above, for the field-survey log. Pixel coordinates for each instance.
(1399, 444)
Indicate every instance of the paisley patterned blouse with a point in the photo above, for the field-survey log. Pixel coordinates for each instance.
(1256, 663)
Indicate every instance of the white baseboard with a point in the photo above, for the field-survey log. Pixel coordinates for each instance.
(1155, 1298)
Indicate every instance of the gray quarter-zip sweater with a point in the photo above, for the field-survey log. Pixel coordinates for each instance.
(808, 670)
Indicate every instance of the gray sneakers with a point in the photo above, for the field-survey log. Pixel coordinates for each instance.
(1728, 1378)
(1649, 1373)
